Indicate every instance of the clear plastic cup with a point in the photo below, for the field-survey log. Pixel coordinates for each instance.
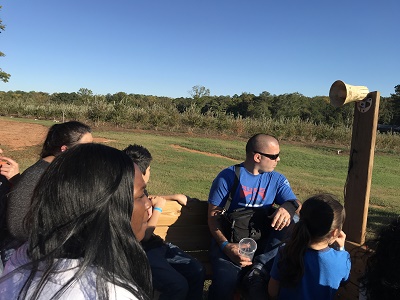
(247, 247)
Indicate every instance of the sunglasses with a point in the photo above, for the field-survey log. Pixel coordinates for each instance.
(270, 156)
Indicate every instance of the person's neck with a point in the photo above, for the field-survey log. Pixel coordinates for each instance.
(251, 167)
(319, 245)
(49, 159)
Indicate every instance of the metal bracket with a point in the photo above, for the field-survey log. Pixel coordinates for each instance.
(364, 105)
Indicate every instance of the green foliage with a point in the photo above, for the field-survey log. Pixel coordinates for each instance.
(291, 117)
(3, 75)
(396, 105)
(199, 91)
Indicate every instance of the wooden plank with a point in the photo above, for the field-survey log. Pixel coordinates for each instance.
(189, 238)
(195, 212)
(358, 260)
(185, 226)
(358, 185)
(348, 292)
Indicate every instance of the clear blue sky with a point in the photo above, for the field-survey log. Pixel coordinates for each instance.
(165, 47)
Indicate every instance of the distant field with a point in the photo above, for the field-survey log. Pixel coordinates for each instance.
(188, 164)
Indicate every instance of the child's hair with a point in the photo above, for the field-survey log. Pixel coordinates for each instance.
(319, 216)
(140, 156)
(381, 279)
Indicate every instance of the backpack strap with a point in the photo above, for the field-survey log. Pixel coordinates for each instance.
(233, 188)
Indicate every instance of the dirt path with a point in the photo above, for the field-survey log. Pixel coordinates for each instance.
(201, 152)
(19, 135)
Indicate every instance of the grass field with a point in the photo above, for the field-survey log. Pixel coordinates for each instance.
(188, 164)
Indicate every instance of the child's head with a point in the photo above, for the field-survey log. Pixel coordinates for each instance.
(321, 221)
(322, 215)
(142, 157)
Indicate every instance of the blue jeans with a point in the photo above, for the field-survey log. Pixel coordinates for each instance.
(227, 275)
(176, 275)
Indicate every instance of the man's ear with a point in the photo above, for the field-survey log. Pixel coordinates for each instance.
(257, 157)
(63, 148)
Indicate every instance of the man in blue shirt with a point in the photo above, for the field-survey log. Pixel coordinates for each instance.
(259, 187)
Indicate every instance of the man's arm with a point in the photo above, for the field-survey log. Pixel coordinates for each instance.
(230, 249)
(288, 205)
(282, 217)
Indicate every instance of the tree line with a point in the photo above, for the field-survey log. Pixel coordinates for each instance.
(317, 110)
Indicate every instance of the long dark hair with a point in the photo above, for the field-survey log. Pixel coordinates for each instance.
(68, 134)
(82, 208)
(381, 279)
(319, 215)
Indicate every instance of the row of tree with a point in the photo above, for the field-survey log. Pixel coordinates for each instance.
(317, 110)
(3, 75)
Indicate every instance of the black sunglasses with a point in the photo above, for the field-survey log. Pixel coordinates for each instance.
(270, 156)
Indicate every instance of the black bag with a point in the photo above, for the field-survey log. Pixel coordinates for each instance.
(244, 222)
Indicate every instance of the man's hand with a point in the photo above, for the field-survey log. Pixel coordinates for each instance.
(280, 219)
(232, 251)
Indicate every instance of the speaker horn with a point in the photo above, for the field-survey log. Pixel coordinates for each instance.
(342, 93)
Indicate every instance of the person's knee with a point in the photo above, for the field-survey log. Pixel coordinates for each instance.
(197, 270)
(224, 283)
(176, 289)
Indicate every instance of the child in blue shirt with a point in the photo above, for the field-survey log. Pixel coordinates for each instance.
(313, 263)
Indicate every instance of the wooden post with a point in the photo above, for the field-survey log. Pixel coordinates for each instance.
(358, 183)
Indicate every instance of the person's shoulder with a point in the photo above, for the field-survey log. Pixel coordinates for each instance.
(117, 292)
(17, 259)
(39, 165)
(337, 254)
(274, 175)
(227, 171)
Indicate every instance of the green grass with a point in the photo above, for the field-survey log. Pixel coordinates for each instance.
(310, 168)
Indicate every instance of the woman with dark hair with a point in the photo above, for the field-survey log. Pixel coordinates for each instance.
(306, 267)
(88, 214)
(59, 138)
(381, 279)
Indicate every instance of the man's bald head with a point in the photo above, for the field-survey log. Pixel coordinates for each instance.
(258, 142)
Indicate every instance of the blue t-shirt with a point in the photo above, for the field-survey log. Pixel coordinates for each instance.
(324, 271)
(260, 190)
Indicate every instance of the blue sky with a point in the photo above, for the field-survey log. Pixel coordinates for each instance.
(165, 47)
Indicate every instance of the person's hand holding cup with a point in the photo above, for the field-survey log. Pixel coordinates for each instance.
(247, 247)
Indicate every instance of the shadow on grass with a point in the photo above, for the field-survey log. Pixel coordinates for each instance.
(378, 218)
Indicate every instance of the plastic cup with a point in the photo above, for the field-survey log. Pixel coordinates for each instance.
(247, 247)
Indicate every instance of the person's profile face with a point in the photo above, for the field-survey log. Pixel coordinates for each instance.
(267, 164)
(141, 204)
(86, 138)
(146, 176)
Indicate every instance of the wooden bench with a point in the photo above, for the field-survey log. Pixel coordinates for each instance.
(186, 227)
